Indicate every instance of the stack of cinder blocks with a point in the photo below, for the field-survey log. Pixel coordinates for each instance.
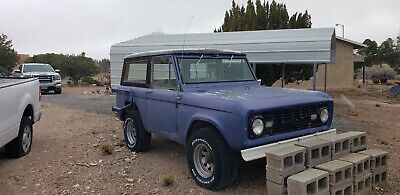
(317, 151)
(281, 163)
(340, 176)
(378, 165)
(310, 181)
(337, 165)
(361, 172)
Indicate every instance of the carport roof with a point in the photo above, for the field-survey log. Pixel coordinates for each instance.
(290, 46)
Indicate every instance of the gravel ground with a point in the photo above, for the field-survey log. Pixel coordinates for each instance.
(68, 149)
(88, 99)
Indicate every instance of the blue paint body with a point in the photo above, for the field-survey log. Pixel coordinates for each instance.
(226, 105)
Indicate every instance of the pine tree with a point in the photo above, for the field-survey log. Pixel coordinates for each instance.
(261, 15)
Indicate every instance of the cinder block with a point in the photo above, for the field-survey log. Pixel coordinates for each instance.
(286, 159)
(340, 172)
(358, 140)
(280, 177)
(342, 189)
(310, 181)
(340, 144)
(361, 164)
(317, 151)
(379, 177)
(378, 159)
(363, 185)
(276, 189)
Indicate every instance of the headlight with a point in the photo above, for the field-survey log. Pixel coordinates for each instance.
(257, 126)
(324, 115)
(57, 77)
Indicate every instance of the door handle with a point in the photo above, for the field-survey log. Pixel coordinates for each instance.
(178, 98)
(149, 91)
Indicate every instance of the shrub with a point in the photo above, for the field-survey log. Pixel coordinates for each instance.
(380, 71)
(107, 148)
(89, 80)
(168, 180)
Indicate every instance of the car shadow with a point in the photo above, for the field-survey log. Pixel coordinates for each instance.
(250, 174)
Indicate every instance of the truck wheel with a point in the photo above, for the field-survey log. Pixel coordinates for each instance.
(57, 91)
(21, 145)
(212, 163)
(136, 137)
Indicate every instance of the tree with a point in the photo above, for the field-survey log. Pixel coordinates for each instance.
(104, 66)
(8, 56)
(268, 16)
(387, 52)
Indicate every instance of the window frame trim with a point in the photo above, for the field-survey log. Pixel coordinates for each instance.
(171, 65)
(127, 62)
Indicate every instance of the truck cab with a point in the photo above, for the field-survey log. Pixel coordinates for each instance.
(210, 101)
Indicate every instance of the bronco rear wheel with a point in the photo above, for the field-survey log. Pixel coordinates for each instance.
(211, 162)
(136, 137)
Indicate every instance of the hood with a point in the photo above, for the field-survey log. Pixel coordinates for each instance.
(40, 73)
(256, 97)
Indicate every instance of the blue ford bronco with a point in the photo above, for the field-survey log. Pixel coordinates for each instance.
(210, 101)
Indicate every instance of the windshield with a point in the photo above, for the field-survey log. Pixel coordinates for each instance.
(38, 68)
(206, 69)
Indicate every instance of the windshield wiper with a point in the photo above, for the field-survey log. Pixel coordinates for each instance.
(199, 60)
(229, 65)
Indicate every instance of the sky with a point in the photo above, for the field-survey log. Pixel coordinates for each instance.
(92, 26)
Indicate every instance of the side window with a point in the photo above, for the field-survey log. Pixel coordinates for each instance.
(135, 71)
(163, 76)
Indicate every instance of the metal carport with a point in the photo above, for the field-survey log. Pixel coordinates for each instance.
(288, 47)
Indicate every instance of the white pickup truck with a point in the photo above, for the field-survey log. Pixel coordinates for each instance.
(20, 108)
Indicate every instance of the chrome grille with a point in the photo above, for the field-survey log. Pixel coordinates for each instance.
(44, 79)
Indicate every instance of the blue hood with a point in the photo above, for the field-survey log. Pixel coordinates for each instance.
(252, 98)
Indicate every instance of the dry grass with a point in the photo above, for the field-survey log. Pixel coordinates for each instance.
(168, 180)
(107, 148)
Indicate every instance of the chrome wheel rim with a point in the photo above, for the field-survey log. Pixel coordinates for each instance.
(26, 138)
(203, 161)
(130, 132)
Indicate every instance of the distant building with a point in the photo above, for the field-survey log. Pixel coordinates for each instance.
(317, 47)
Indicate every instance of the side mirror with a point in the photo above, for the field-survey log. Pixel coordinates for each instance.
(57, 71)
(259, 81)
(17, 72)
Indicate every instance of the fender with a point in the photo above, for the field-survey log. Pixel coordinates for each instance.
(213, 120)
(124, 101)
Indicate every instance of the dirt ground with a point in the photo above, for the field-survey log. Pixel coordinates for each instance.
(68, 149)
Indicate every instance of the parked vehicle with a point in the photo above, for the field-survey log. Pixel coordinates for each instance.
(210, 101)
(20, 108)
(50, 79)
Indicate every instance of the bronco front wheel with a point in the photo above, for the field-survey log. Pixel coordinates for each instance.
(211, 162)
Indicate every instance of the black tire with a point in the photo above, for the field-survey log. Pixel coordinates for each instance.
(225, 162)
(57, 91)
(142, 137)
(16, 148)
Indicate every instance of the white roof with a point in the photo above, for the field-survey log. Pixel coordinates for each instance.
(290, 46)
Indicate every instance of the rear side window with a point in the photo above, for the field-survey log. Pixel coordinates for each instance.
(135, 72)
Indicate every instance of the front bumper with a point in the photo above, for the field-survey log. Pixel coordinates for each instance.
(50, 86)
(259, 151)
(37, 116)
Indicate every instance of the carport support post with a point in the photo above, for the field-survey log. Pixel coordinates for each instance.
(283, 75)
(314, 76)
(326, 76)
(363, 68)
